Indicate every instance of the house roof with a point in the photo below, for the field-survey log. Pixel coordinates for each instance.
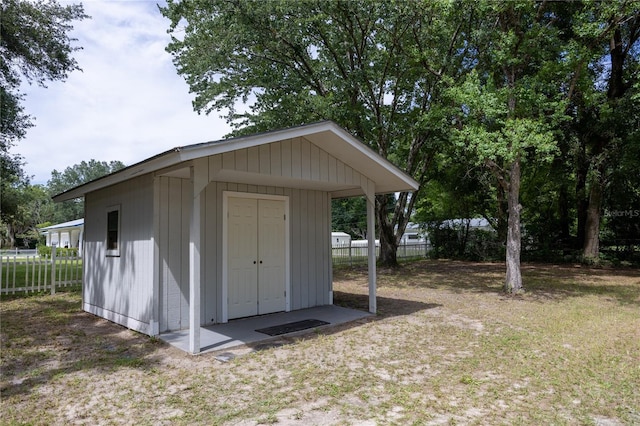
(473, 222)
(340, 234)
(326, 134)
(71, 224)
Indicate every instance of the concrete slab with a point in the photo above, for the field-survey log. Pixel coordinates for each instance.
(243, 331)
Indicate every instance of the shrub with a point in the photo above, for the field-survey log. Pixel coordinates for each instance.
(45, 251)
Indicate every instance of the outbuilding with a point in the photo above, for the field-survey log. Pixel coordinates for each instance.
(206, 233)
(340, 239)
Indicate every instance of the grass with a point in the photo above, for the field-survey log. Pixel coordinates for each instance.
(36, 275)
(447, 347)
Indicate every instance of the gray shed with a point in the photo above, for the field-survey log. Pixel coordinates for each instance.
(205, 233)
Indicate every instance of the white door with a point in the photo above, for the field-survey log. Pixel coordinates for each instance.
(242, 256)
(271, 256)
(256, 256)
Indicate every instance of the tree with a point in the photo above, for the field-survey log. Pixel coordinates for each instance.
(375, 68)
(34, 208)
(350, 215)
(605, 99)
(510, 104)
(73, 176)
(25, 207)
(34, 46)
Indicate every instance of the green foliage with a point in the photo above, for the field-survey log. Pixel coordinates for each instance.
(34, 46)
(45, 251)
(81, 173)
(25, 206)
(73, 176)
(350, 215)
(458, 94)
(457, 240)
(376, 68)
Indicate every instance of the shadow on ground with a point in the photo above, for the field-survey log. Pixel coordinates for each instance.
(541, 281)
(387, 307)
(45, 336)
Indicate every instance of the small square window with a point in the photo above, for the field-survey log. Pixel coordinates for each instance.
(113, 231)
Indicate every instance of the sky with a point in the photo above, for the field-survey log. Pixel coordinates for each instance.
(128, 103)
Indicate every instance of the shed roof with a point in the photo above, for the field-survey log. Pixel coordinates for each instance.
(326, 135)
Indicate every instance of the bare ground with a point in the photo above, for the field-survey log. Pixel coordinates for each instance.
(447, 347)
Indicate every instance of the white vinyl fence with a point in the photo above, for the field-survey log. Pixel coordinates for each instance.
(356, 252)
(20, 273)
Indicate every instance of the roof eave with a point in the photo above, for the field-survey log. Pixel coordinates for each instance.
(187, 153)
(160, 161)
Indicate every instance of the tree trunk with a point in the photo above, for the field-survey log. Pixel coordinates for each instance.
(616, 90)
(582, 201)
(563, 213)
(513, 279)
(502, 214)
(591, 249)
(11, 234)
(388, 250)
(388, 242)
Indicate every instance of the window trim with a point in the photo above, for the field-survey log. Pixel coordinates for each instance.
(113, 252)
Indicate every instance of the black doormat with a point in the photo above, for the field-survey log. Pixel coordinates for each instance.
(290, 327)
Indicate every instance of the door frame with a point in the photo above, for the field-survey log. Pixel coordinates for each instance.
(225, 239)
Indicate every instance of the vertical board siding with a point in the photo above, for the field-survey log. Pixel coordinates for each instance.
(265, 159)
(296, 159)
(309, 225)
(163, 249)
(295, 231)
(173, 255)
(211, 255)
(309, 246)
(186, 206)
(175, 210)
(276, 159)
(121, 288)
(303, 250)
(253, 156)
(285, 155)
(320, 264)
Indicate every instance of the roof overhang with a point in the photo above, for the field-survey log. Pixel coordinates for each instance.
(65, 225)
(327, 135)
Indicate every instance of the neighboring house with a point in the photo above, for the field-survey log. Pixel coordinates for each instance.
(205, 233)
(363, 243)
(340, 239)
(473, 223)
(67, 234)
(412, 235)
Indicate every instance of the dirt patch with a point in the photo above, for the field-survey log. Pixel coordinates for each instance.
(446, 347)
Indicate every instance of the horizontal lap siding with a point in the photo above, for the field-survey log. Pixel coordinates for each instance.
(120, 288)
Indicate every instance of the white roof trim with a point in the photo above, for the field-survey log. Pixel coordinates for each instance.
(71, 224)
(326, 134)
